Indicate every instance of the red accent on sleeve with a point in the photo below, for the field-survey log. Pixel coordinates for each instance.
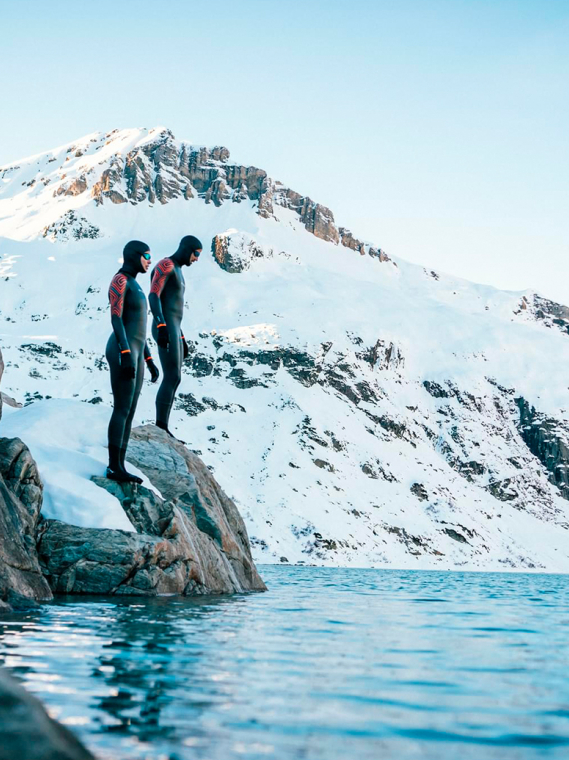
(161, 274)
(116, 294)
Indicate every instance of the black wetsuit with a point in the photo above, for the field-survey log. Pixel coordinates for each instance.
(127, 352)
(167, 303)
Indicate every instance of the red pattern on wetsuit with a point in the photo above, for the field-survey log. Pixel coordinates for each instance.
(116, 294)
(161, 273)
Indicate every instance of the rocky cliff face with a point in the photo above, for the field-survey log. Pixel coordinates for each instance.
(548, 440)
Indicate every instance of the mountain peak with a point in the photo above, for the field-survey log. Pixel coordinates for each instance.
(43, 195)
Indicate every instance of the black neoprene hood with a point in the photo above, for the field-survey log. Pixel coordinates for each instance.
(131, 256)
(188, 245)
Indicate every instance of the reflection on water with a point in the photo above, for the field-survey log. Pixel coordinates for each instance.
(328, 664)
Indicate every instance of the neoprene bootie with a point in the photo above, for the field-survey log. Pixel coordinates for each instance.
(163, 426)
(133, 478)
(115, 471)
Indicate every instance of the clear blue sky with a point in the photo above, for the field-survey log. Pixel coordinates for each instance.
(437, 129)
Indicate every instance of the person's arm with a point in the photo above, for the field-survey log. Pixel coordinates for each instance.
(152, 368)
(117, 291)
(185, 348)
(163, 270)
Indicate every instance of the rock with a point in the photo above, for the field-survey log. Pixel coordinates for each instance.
(28, 733)
(94, 561)
(71, 227)
(216, 527)
(419, 490)
(191, 540)
(548, 440)
(21, 578)
(551, 313)
(234, 252)
(349, 241)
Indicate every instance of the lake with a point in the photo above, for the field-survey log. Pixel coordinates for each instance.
(330, 664)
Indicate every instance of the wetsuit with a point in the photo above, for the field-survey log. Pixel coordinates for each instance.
(167, 303)
(127, 353)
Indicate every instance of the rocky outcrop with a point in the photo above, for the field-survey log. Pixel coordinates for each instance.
(549, 312)
(21, 579)
(548, 440)
(234, 252)
(71, 227)
(348, 240)
(28, 733)
(190, 540)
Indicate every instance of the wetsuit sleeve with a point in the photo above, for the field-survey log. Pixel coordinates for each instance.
(147, 354)
(117, 292)
(160, 276)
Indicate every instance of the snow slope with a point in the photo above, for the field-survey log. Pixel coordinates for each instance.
(360, 410)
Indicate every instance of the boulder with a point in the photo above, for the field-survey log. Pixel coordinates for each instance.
(28, 733)
(235, 251)
(190, 539)
(21, 579)
(212, 517)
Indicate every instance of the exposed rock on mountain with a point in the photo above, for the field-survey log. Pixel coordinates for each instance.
(28, 733)
(548, 440)
(551, 313)
(161, 169)
(235, 252)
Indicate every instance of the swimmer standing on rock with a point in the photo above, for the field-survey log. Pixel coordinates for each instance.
(127, 353)
(167, 304)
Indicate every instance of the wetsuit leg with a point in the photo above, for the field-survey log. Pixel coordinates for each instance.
(125, 397)
(171, 361)
(138, 380)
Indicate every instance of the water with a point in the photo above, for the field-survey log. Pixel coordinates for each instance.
(329, 664)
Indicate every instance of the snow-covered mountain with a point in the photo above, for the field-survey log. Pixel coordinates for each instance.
(360, 410)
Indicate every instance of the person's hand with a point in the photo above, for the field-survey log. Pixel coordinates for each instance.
(163, 339)
(127, 366)
(185, 348)
(153, 369)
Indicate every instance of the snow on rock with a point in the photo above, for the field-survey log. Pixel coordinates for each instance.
(360, 410)
(68, 441)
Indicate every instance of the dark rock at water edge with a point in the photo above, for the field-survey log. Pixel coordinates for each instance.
(21, 579)
(28, 733)
(190, 541)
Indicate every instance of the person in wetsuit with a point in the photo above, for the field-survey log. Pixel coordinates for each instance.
(127, 353)
(166, 301)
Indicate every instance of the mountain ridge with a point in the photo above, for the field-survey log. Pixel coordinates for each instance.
(155, 167)
(359, 409)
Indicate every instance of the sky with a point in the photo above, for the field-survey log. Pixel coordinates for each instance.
(436, 129)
